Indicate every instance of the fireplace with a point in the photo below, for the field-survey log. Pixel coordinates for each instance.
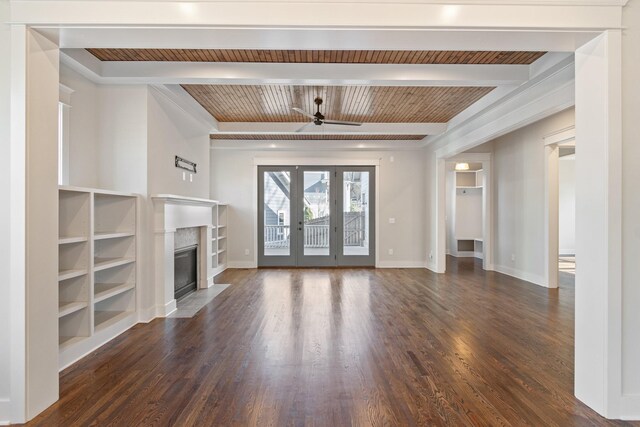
(185, 271)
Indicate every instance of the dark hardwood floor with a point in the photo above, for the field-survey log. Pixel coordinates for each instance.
(342, 347)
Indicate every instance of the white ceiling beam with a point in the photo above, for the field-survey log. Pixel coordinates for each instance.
(523, 14)
(366, 128)
(303, 74)
(323, 39)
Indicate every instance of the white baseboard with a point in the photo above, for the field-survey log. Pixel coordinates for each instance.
(630, 407)
(242, 264)
(519, 274)
(401, 264)
(167, 309)
(5, 412)
(146, 315)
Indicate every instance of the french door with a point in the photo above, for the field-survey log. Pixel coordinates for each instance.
(311, 216)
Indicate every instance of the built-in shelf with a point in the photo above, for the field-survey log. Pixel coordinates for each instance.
(103, 291)
(104, 319)
(69, 240)
(463, 186)
(221, 251)
(97, 271)
(221, 226)
(222, 237)
(118, 235)
(70, 274)
(66, 308)
(65, 341)
(100, 264)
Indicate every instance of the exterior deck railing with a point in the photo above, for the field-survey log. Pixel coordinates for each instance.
(315, 236)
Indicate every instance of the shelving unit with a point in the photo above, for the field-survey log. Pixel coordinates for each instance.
(97, 269)
(466, 208)
(219, 238)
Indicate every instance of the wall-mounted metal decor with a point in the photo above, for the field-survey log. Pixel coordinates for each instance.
(185, 164)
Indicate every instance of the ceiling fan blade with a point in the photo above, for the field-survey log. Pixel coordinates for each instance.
(304, 127)
(339, 122)
(301, 111)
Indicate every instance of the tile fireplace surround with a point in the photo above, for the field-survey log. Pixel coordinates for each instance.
(172, 212)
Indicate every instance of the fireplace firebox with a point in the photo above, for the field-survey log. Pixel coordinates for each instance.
(185, 271)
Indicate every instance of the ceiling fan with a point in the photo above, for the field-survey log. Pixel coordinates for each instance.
(318, 118)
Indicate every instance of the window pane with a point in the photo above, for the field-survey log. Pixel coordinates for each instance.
(356, 213)
(317, 208)
(277, 208)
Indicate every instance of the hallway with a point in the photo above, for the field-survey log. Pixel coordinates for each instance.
(339, 347)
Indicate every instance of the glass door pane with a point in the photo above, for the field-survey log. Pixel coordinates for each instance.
(317, 212)
(276, 244)
(356, 207)
(355, 213)
(277, 208)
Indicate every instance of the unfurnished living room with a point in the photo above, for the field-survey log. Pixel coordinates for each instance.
(310, 213)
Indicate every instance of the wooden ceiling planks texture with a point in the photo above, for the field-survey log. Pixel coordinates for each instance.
(366, 104)
(324, 137)
(320, 56)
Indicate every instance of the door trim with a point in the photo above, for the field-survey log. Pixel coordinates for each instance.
(294, 161)
(357, 260)
(282, 260)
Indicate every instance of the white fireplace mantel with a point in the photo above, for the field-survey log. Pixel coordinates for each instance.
(170, 213)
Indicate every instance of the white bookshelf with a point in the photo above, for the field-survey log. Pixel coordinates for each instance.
(219, 234)
(97, 268)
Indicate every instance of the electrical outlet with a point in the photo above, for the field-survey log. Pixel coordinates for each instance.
(390, 251)
(392, 220)
(513, 257)
(184, 176)
(431, 255)
(246, 252)
(391, 159)
(190, 177)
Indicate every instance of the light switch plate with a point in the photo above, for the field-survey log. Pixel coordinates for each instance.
(392, 220)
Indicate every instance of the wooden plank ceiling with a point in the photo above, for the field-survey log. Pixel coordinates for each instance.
(324, 137)
(367, 104)
(319, 56)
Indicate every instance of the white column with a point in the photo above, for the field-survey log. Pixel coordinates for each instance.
(34, 220)
(598, 224)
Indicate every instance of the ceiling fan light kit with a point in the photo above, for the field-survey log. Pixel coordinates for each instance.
(318, 118)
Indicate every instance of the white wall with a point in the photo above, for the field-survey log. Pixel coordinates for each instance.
(5, 48)
(518, 229)
(631, 204)
(567, 205)
(122, 161)
(83, 129)
(172, 132)
(401, 190)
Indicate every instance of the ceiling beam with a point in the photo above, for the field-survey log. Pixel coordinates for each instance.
(150, 72)
(511, 14)
(366, 128)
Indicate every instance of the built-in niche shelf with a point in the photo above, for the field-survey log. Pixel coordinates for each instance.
(219, 237)
(97, 268)
(466, 229)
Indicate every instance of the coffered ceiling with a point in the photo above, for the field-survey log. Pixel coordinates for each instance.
(367, 104)
(397, 91)
(319, 56)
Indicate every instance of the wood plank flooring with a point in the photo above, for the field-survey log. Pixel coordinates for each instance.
(341, 347)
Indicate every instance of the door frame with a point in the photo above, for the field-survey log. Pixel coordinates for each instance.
(284, 260)
(356, 260)
(330, 260)
(308, 161)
